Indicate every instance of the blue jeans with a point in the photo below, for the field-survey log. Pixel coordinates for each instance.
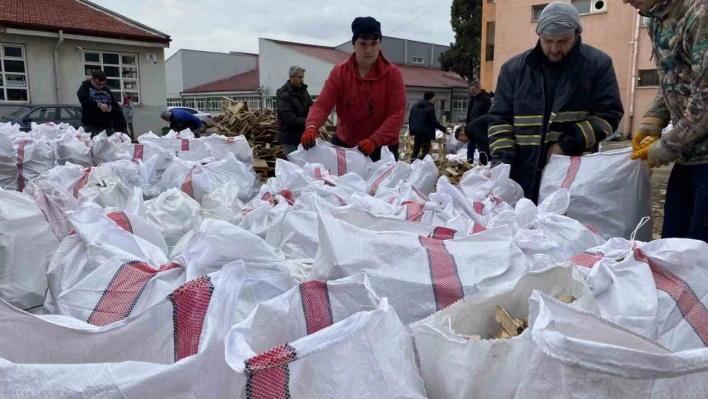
(686, 208)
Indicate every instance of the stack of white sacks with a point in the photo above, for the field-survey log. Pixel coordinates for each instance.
(164, 269)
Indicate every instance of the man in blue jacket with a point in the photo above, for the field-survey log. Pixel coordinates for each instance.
(180, 119)
(422, 123)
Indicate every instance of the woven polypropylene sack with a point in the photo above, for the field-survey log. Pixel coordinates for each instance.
(457, 366)
(580, 355)
(173, 213)
(420, 274)
(74, 148)
(337, 160)
(24, 159)
(104, 148)
(26, 243)
(324, 340)
(221, 146)
(189, 149)
(609, 192)
(657, 289)
(189, 326)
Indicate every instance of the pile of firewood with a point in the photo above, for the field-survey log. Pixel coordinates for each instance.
(453, 170)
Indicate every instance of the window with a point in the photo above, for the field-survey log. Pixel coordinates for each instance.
(418, 60)
(174, 102)
(42, 115)
(201, 103)
(188, 102)
(648, 78)
(590, 6)
(214, 104)
(68, 114)
(13, 76)
(459, 104)
(536, 11)
(121, 69)
(491, 33)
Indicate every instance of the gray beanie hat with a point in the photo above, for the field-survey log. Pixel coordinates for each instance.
(559, 18)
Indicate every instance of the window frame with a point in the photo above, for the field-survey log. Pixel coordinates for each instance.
(591, 12)
(459, 104)
(533, 11)
(3, 74)
(101, 64)
(415, 57)
(639, 79)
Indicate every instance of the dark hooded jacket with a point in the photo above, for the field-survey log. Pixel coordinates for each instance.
(422, 121)
(293, 105)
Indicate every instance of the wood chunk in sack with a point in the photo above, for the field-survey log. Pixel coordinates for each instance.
(567, 299)
(510, 327)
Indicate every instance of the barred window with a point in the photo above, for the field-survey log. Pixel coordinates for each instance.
(121, 70)
(13, 74)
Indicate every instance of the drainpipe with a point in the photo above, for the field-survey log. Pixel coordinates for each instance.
(56, 63)
(633, 87)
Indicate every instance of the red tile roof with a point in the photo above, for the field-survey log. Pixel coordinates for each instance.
(248, 81)
(412, 75)
(73, 16)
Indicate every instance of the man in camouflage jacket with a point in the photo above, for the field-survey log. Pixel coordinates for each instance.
(679, 33)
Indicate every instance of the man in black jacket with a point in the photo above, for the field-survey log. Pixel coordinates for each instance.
(422, 123)
(294, 103)
(479, 104)
(559, 98)
(97, 102)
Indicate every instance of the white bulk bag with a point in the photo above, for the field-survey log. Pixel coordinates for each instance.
(55, 194)
(388, 175)
(580, 355)
(223, 203)
(424, 174)
(104, 148)
(173, 213)
(148, 151)
(182, 336)
(337, 160)
(26, 243)
(24, 159)
(609, 192)
(324, 340)
(657, 289)
(108, 192)
(221, 146)
(484, 181)
(455, 366)
(189, 149)
(420, 274)
(197, 179)
(74, 148)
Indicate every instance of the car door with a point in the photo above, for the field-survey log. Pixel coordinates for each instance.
(40, 115)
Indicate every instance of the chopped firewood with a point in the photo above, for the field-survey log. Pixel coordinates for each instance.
(510, 327)
(567, 299)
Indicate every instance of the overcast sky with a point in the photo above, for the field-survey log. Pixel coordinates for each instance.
(228, 25)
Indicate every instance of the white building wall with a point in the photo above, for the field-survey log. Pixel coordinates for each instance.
(275, 62)
(201, 67)
(174, 75)
(40, 65)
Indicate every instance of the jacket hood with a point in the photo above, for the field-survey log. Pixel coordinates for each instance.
(378, 72)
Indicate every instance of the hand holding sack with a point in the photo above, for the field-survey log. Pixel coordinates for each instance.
(367, 146)
(309, 138)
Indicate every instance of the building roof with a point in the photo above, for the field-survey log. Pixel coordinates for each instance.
(417, 76)
(74, 16)
(248, 81)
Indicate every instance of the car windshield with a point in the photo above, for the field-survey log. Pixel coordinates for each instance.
(14, 115)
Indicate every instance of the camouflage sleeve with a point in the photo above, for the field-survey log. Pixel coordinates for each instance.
(658, 108)
(692, 125)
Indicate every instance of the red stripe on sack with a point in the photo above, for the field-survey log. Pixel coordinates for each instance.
(20, 159)
(414, 211)
(246, 212)
(121, 219)
(447, 287)
(594, 230)
(318, 176)
(190, 305)
(478, 207)
(318, 173)
(169, 266)
(377, 182)
(288, 195)
(690, 306)
(420, 194)
(187, 186)
(586, 258)
(572, 172)
(269, 375)
(340, 200)
(82, 182)
(268, 197)
(478, 228)
(315, 306)
(392, 200)
(185, 145)
(229, 140)
(341, 161)
(138, 153)
(122, 293)
(443, 233)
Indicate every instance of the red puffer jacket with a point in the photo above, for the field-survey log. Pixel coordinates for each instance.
(373, 106)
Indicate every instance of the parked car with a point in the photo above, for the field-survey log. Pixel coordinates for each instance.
(55, 113)
(207, 121)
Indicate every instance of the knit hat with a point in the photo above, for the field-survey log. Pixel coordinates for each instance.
(429, 95)
(559, 18)
(366, 26)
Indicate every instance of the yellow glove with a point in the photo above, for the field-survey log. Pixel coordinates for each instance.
(650, 127)
(656, 154)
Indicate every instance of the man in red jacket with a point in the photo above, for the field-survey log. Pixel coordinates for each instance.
(369, 94)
